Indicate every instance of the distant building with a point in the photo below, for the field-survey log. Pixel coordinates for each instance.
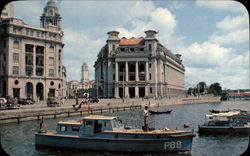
(138, 67)
(85, 83)
(85, 76)
(31, 58)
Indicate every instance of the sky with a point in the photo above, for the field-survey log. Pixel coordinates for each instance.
(211, 36)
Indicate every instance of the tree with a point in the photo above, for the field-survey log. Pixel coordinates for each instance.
(201, 87)
(215, 89)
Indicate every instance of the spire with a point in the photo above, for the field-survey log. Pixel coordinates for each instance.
(51, 17)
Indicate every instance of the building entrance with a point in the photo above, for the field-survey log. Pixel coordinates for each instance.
(52, 92)
(131, 92)
(39, 91)
(121, 92)
(29, 90)
(16, 92)
(141, 91)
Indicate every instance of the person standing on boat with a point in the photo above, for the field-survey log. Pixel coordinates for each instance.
(146, 119)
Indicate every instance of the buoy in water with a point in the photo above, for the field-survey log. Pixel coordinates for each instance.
(186, 125)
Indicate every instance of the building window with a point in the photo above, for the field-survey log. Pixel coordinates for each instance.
(51, 49)
(15, 70)
(51, 72)
(40, 49)
(16, 44)
(15, 57)
(14, 29)
(141, 49)
(31, 32)
(113, 76)
(16, 82)
(39, 71)
(150, 77)
(28, 71)
(132, 49)
(29, 48)
(113, 46)
(151, 90)
(122, 49)
(149, 47)
(149, 65)
(38, 34)
(51, 61)
(27, 31)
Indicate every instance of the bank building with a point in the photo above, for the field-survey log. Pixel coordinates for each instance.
(137, 68)
(31, 58)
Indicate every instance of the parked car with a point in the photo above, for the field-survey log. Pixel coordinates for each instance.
(3, 102)
(93, 100)
(53, 102)
(24, 101)
(12, 103)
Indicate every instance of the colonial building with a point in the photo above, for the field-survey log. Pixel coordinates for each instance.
(138, 67)
(31, 58)
(85, 83)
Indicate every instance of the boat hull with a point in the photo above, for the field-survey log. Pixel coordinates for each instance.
(102, 143)
(224, 130)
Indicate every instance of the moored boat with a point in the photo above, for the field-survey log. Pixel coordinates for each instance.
(160, 112)
(226, 123)
(107, 133)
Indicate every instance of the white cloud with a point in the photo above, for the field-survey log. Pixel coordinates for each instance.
(233, 73)
(205, 55)
(175, 4)
(233, 23)
(142, 9)
(235, 37)
(80, 48)
(228, 5)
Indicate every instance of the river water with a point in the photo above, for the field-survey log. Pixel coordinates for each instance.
(18, 139)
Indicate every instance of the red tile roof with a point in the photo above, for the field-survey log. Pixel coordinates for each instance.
(132, 41)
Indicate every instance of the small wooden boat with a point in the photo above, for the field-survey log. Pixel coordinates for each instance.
(218, 111)
(107, 133)
(225, 123)
(160, 112)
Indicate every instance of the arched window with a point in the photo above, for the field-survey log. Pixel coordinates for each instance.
(16, 44)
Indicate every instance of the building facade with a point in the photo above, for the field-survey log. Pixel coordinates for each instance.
(138, 67)
(31, 58)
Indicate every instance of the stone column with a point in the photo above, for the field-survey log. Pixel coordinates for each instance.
(116, 92)
(156, 77)
(126, 69)
(34, 61)
(116, 72)
(146, 72)
(136, 72)
(126, 92)
(137, 92)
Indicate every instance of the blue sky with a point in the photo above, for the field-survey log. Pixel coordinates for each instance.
(212, 36)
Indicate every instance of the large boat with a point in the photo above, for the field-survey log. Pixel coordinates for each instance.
(107, 133)
(233, 123)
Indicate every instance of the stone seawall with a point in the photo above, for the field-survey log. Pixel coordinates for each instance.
(105, 105)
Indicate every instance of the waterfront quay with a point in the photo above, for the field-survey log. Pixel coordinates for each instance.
(40, 109)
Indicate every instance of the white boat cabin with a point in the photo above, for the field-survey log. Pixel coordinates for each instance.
(90, 125)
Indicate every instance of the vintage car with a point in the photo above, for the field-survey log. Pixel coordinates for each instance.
(53, 101)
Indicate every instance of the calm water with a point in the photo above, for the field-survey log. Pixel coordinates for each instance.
(18, 139)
